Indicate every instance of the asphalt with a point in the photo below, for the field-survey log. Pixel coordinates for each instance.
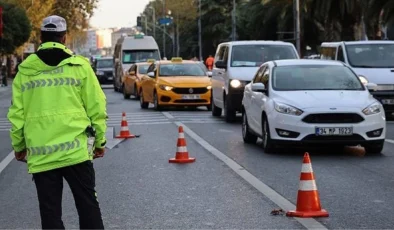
(138, 188)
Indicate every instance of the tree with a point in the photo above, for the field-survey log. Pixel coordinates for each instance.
(36, 11)
(16, 28)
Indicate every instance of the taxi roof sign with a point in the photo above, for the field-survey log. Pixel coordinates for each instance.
(176, 59)
(151, 60)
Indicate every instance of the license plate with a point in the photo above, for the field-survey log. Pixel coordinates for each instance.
(388, 101)
(190, 97)
(110, 78)
(338, 131)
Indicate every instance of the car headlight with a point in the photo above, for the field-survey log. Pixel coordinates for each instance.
(99, 72)
(235, 83)
(287, 109)
(165, 87)
(209, 87)
(363, 79)
(372, 109)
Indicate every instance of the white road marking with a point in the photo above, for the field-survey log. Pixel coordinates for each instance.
(390, 141)
(252, 180)
(6, 161)
(168, 115)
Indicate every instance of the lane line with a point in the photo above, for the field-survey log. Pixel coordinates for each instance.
(168, 115)
(390, 141)
(6, 161)
(252, 180)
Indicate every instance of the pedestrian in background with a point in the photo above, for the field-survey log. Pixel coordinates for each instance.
(57, 102)
(209, 62)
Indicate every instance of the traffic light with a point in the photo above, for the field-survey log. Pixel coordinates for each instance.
(139, 21)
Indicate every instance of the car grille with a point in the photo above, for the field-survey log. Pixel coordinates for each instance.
(191, 101)
(108, 73)
(330, 118)
(201, 90)
(314, 138)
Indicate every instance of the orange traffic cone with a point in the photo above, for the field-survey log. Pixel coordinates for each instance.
(308, 201)
(182, 155)
(124, 129)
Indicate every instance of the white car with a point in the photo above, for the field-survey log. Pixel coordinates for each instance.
(311, 102)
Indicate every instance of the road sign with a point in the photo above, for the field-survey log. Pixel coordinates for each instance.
(165, 21)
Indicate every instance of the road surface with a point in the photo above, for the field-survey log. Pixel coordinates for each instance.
(231, 184)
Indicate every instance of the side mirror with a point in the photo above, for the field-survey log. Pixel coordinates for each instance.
(371, 86)
(221, 65)
(151, 74)
(259, 87)
(209, 73)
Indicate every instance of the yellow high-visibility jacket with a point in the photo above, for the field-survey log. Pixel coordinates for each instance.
(51, 108)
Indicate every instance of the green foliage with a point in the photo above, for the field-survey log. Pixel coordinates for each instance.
(16, 29)
(321, 21)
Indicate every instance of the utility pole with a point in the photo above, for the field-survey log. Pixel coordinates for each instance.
(298, 26)
(146, 24)
(164, 29)
(234, 22)
(199, 31)
(154, 21)
(177, 37)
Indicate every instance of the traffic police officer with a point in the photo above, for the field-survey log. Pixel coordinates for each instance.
(56, 98)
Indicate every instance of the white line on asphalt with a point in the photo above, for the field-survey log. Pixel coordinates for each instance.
(168, 115)
(252, 180)
(140, 123)
(137, 120)
(390, 141)
(6, 161)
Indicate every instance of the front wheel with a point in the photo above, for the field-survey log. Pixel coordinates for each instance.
(136, 94)
(229, 114)
(216, 111)
(268, 146)
(143, 104)
(247, 136)
(156, 102)
(374, 148)
(125, 95)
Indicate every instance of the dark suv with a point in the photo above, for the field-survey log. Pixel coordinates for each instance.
(104, 68)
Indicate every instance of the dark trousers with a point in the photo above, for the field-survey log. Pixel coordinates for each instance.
(81, 179)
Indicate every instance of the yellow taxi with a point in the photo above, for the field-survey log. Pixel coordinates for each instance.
(176, 83)
(131, 80)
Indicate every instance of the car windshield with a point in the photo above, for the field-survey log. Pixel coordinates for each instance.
(135, 56)
(371, 55)
(314, 77)
(104, 63)
(143, 69)
(184, 69)
(255, 55)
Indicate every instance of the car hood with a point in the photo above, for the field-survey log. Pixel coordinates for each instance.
(185, 81)
(380, 76)
(242, 73)
(326, 99)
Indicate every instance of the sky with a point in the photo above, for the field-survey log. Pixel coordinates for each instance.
(117, 13)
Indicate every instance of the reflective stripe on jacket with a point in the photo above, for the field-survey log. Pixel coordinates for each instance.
(51, 108)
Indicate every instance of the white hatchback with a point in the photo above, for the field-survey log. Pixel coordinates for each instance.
(311, 102)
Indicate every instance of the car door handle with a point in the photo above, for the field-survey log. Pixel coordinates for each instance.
(220, 73)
